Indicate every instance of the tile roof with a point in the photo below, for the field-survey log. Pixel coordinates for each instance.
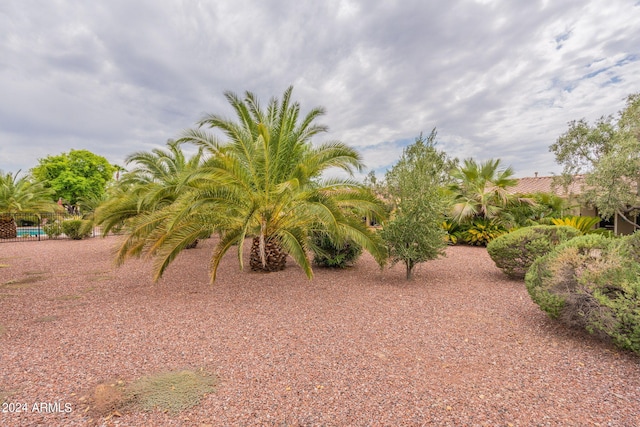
(544, 184)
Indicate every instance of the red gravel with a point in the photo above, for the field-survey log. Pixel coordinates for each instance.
(460, 345)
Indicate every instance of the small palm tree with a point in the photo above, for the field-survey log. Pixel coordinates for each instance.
(534, 209)
(262, 180)
(154, 183)
(480, 191)
(160, 166)
(21, 195)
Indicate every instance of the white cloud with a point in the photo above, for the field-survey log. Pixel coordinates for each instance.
(497, 78)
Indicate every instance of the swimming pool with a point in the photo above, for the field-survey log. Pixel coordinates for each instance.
(30, 232)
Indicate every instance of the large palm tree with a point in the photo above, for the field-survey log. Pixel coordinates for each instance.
(262, 180)
(21, 195)
(480, 191)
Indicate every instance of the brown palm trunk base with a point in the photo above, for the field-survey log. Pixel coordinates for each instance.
(8, 229)
(276, 257)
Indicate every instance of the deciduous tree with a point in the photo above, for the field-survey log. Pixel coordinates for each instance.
(74, 175)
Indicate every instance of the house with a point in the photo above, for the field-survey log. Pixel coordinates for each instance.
(572, 193)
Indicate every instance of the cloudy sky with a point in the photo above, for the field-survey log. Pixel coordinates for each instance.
(497, 78)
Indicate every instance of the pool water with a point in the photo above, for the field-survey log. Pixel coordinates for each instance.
(30, 233)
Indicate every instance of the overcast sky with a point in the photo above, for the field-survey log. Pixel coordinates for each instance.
(497, 78)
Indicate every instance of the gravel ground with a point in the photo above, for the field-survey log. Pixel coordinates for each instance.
(460, 345)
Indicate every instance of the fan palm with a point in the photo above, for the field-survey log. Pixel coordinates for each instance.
(262, 180)
(480, 190)
(535, 208)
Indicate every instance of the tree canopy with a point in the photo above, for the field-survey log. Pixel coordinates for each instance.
(608, 153)
(74, 175)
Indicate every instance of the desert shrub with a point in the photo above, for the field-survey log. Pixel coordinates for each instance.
(592, 282)
(333, 255)
(633, 244)
(603, 231)
(76, 229)
(514, 252)
(52, 229)
(480, 232)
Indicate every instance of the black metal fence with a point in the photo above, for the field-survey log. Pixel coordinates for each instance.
(26, 227)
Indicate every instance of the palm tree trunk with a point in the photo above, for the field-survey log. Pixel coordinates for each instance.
(274, 256)
(8, 229)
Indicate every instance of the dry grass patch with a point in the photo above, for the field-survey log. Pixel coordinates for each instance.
(172, 391)
(3, 331)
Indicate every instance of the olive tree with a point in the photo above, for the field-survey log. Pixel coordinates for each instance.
(415, 185)
(608, 153)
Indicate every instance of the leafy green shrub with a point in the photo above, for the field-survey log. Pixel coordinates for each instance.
(332, 255)
(76, 229)
(592, 282)
(603, 231)
(514, 252)
(481, 232)
(633, 243)
(52, 229)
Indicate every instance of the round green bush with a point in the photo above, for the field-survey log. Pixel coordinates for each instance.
(592, 282)
(514, 253)
(332, 255)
